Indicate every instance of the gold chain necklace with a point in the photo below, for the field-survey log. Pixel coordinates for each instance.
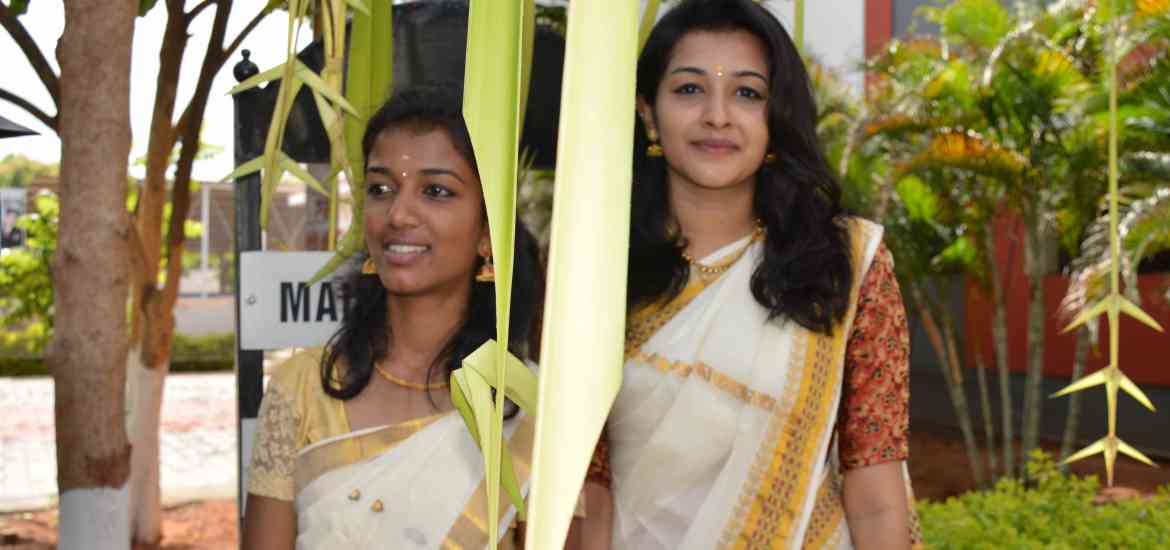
(719, 268)
(407, 383)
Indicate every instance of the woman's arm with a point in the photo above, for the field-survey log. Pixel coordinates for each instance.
(876, 508)
(269, 524)
(595, 530)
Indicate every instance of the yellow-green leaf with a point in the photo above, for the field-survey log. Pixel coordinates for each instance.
(291, 166)
(1095, 379)
(1134, 391)
(314, 81)
(1134, 453)
(1091, 450)
(1089, 314)
(258, 79)
(1131, 309)
(491, 107)
(649, 17)
(360, 6)
(246, 168)
(521, 385)
(585, 305)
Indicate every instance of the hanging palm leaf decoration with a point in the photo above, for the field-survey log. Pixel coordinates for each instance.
(344, 117)
(499, 48)
(584, 318)
(1114, 304)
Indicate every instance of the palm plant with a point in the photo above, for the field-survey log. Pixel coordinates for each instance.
(1008, 112)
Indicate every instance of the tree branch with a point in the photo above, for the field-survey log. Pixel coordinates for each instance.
(218, 58)
(50, 121)
(191, 15)
(36, 58)
(227, 52)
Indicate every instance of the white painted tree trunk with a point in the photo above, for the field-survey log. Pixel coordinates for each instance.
(94, 519)
(91, 276)
(144, 394)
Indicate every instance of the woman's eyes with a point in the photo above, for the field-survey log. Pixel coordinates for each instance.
(377, 189)
(430, 190)
(748, 93)
(742, 91)
(437, 191)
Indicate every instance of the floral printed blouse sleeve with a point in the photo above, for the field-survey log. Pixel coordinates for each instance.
(873, 425)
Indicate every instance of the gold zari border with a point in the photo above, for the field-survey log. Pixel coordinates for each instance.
(646, 321)
(723, 382)
(779, 480)
(470, 528)
(827, 515)
(321, 460)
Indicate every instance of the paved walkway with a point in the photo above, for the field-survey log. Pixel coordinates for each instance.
(197, 441)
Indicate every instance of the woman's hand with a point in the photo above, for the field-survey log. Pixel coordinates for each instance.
(876, 508)
(269, 524)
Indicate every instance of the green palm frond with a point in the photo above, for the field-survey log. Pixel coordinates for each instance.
(968, 151)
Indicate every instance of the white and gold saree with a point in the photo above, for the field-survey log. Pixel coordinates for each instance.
(723, 433)
(417, 484)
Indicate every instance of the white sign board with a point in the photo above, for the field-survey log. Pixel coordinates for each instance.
(278, 307)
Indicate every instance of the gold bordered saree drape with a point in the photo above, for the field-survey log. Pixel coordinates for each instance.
(723, 433)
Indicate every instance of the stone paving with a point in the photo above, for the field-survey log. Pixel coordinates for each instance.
(197, 440)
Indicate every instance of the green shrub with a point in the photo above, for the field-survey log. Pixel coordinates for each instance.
(20, 354)
(1047, 511)
(203, 353)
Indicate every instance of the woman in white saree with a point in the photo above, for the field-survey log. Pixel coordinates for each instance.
(358, 445)
(764, 401)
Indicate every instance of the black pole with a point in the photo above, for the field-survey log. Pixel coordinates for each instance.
(249, 363)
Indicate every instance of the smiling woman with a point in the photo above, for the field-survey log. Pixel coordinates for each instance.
(357, 444)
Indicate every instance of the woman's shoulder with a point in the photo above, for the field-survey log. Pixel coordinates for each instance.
(301, 368)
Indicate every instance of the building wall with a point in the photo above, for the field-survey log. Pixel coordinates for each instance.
(834, 32)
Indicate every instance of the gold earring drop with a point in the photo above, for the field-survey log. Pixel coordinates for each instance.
(487, 272)
(368, 267)
(770, 158)
(654, 149)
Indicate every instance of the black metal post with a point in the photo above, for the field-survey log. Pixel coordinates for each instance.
(249, 363)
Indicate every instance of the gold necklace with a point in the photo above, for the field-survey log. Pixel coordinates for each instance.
(718, 268)
(407, 383)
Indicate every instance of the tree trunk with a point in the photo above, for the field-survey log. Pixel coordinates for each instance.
(1072, 423)
(87, 355)
(145, 395)
(1033, 400)
(999, 335)
(999, 338)
(954, 385)
(988, 421)
(146, 378)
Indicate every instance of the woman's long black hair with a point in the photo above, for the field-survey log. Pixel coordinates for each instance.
(806, 273)
(364, 336)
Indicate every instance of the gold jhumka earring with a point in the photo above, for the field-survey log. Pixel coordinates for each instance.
(487, 272)
(654, 149)
(368, 267)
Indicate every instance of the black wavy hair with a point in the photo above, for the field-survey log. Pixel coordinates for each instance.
(806, 273)
(363, 338)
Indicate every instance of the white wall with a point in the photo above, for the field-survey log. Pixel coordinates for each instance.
(834, 32)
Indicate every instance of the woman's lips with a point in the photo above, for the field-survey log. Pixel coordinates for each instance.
(715, 146)
(401, 254)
